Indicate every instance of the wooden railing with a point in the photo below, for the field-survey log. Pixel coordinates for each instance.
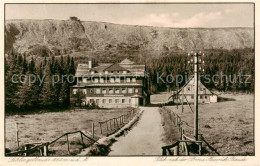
(42, 147)
(182, 145)
(111, 125)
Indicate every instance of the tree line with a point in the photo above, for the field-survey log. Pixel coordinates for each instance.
(24, 94)
(233, 70)
(30, 86)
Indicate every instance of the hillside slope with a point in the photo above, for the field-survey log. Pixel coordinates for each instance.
(66, 36)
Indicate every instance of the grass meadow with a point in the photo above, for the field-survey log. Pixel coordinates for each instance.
(227, 125)
(45, 127)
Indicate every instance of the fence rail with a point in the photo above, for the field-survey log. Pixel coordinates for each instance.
(42, 147)
(113, 124)
(182, 145)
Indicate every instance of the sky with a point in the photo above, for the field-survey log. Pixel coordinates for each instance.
(162, 15)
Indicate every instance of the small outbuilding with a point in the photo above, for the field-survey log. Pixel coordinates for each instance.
(186, 93)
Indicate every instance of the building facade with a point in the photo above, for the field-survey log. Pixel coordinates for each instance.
(186, 93)
(110, 85)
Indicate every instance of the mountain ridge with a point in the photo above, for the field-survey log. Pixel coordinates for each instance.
(57, 37)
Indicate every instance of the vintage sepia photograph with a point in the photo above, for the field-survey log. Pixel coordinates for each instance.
(129, 79)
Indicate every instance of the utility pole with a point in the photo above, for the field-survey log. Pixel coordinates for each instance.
(196, 61)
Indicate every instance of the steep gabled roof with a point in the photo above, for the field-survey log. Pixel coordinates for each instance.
(189, 80)
(126, 61)
(115, 67)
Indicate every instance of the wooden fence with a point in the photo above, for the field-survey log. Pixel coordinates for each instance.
(182, 145)
(111, 125)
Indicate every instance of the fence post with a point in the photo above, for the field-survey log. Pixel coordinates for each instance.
(68, 143)
(45, 150)
(181, 132)
(93, 130)
(200, 147)
(25, 148)
(100, 127)
(164, 152)
(176, 150)
(41, 151)
(114, 123)
(81, 138)
(17, 136)
(107, 125)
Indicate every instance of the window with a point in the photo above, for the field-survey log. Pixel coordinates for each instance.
(91, 90)
(117, 101)
(133, 79)
(96, 80)
(84, 91)
(130, 90)
(104, 101)
(110, 100)
(128, 80)
(97, 101)
(192, 97)
(104, 91)
(101, 80)
(129, 100)
(123, 100)
(136, 90)
(188, 88)
(111, 91)
(123, 90)
(206, 97)
(201, 97)
(92, 72)
(85, 80)
(98, 91)
(75, 91)
(117, 91)
(112, 80)
(91, 101)
(117, 79)
(118, 72)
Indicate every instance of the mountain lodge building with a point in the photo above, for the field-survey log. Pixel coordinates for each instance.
(110, 85)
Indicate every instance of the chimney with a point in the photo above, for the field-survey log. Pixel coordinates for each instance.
(90, 64)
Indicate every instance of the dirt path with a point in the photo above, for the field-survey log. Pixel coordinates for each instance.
(144, 139)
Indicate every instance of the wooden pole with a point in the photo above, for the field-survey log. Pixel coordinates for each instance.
(17, 135)
(82, 141)
(93, 130)
(200, 147)
(107, 125)
(25, 148)
(45, 150)
(100, 128)
(182, 100)
(68, 144)
(196, 96)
